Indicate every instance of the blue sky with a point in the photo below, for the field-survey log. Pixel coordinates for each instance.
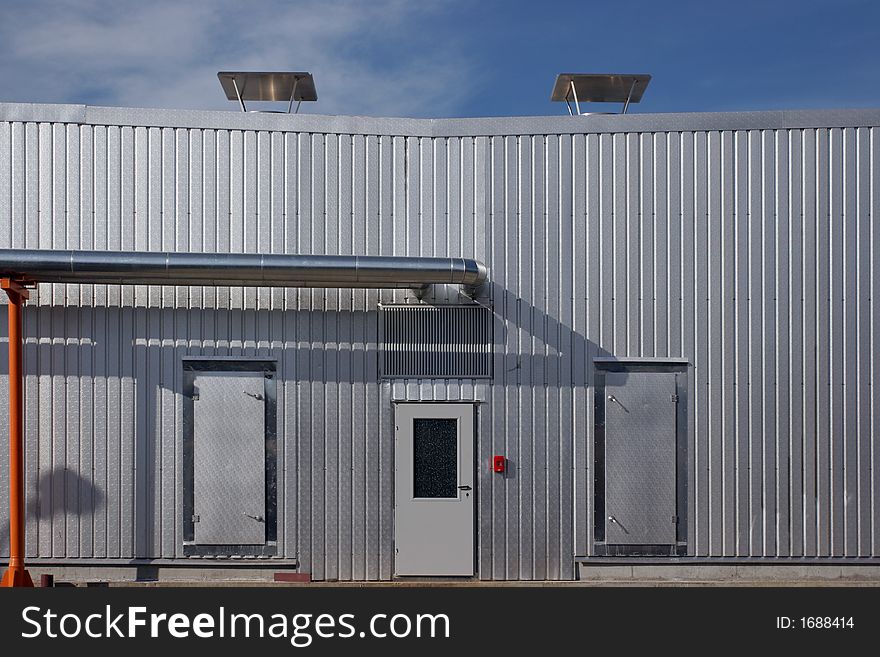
(444, 58)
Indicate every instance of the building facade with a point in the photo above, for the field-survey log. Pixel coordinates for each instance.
(674, 354)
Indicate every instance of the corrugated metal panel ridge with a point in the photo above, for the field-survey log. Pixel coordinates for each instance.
(749, 252)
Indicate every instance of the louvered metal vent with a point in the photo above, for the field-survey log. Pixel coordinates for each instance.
(446, 342)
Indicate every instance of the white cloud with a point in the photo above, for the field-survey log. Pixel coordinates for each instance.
(372, 57)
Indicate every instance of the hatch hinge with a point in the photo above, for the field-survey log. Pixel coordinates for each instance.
(673, 398)
(195, 517)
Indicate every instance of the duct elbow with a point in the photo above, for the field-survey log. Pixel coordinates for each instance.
(474, 273)
(475, 276)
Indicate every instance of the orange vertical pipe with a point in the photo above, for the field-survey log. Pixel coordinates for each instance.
(16, 574)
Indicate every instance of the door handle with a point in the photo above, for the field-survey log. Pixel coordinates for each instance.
(255, 396)
(464, 488)
(257, 518)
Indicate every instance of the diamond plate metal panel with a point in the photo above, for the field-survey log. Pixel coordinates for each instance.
(640, 458)
(229, 459)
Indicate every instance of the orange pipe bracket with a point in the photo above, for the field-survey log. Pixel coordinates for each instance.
(16, 574)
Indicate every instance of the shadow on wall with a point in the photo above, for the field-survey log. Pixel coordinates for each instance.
(130, 345)
(56, 493)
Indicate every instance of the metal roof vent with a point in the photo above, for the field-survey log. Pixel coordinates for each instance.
(623, 88)
(277, 86)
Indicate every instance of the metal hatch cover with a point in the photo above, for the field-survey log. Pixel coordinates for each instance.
(229, 459)
(640, 458)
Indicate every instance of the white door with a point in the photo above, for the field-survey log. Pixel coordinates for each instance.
(434, 489)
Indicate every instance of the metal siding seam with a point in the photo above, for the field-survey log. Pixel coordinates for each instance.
(768, 338)
(796, 328)
(197, 201)
(56, 413)
(455, 200)
(354, 402)
(112, 415)
(86, 406)
(165, 480)
(262, 221)
(71, 201)
(386, 477)
(290, 214)
(520, 159)
(809, 318)
(44, 162)
(377, 198)
(647, 243)
(328, 346)
(864, 360)
(32, 197)
(290, 436)
(587, 308)
(823, 360)
(477, 193)
(20, 220)
(411, 164)
(755, 390)
(100, 405)
(150, 502)
(874, 210)
(278, 206)
(850, 391)
(727, 348)
(715, 302)
(605, 304)
(9, 226)
(557, 211)
(305, 457)
(123, 207)
(618, 269)
(439, 190)
(837, 354)
(562, 539)
(372, 411)
(697, 531)
(506, 493)
(317, 220)
(545, 192)
(783, 345)
(633, 267)
(661, 213)
(704, 329)
(43, 420)
(334, 486)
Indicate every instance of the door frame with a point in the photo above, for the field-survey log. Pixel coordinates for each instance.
(671, 366)
(192, 367)
(474, 406)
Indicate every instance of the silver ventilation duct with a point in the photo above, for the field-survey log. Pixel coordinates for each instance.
(132, 268)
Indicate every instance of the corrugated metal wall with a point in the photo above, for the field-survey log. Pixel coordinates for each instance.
(749, 252)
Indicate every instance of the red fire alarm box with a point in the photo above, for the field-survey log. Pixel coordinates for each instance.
(498, 464)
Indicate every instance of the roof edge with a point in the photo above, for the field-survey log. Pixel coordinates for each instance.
(466, 127)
